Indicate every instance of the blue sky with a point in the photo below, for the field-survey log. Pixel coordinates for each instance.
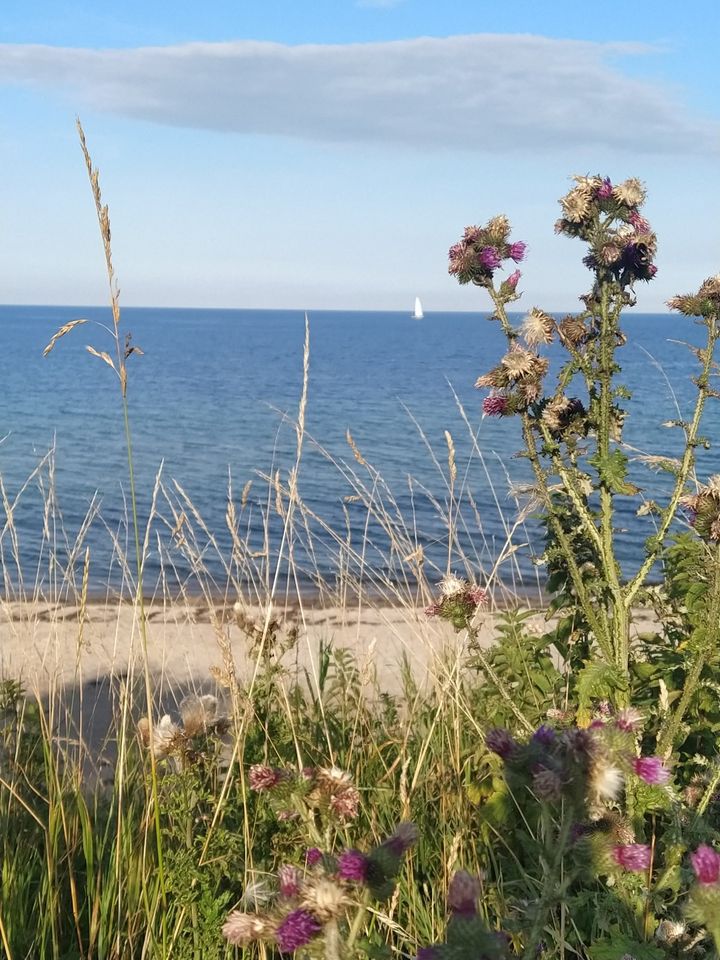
(326, 154)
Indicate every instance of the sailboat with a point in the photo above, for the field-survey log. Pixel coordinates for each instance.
(418, 314)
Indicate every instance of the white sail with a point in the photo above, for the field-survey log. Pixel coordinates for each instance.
(418, 314)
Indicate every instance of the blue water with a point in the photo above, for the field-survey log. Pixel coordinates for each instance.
(208, 398)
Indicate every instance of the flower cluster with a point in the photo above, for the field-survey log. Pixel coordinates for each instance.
(200, 717)
(516, 381)
(305, 901)
(585, 768)
(622, 243)
(327, 791)
(704, 509)
(482, 250)
(458, 602)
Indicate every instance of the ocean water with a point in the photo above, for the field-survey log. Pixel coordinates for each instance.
(213, 395)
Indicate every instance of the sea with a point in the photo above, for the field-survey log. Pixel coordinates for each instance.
(213, 401)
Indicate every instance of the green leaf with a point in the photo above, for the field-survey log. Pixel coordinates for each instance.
(597, 681)
(621, 946)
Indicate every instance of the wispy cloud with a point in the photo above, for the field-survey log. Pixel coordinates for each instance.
(490, 93)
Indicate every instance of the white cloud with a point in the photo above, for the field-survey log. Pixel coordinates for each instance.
(491, 93)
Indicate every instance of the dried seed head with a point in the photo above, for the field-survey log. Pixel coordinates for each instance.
(630, 192)
(538, 327)
(572, 331)
(577, 204)
(518, 362)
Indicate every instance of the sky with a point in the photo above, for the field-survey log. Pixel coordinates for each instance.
(325, 154)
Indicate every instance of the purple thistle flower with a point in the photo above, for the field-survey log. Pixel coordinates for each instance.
(499, 741)
(433, 610)
(604, 191)
(632, 856)
(463, 893)
(405, 836)
(544, 735)
(353, 866)
(639, 222)
(629, 720)
(495, 406)
(517, 250)
(289, 880)
(427, 953)
(513, 279)
(652, 770)
(261, 777)
(489, 258)
(313, 856)
(455, 255)
(472, 234)
(477, 596)
(706, 864)
(651, 270)
(296, 930)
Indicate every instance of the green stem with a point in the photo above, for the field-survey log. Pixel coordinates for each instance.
(620, 627)
(686, 465)
(551, 889)
(356, 925)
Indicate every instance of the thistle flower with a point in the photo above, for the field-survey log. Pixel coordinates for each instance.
(629, 720)
(402, 839)
(313, 856)
(495, 405)
(632, 856)
(325, 899)
(606, 780)
(345, 803)
(652, 770)
(605, 190)
(463, 893)
(538, 327)
(497, 230)
(630, 192)
(572, 331)
(472, 234)
(704, 507)
(544, 735)
(519, 363)
(576, 205)
(546, 784)
(166, 735)
(489, 258)
(451, 585)
(296, 930)
(516, 251)
(706, 864)
(513, 279)
(261, 777)
(478, 596)
(200, 715)
(289, 881)
(353, 866)
(241, 929)
(501, 742)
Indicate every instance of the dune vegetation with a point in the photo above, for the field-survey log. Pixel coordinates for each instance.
(543, 783)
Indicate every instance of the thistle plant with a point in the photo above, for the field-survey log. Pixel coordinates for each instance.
(572, 428)
(594, 821)
(319, 909)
